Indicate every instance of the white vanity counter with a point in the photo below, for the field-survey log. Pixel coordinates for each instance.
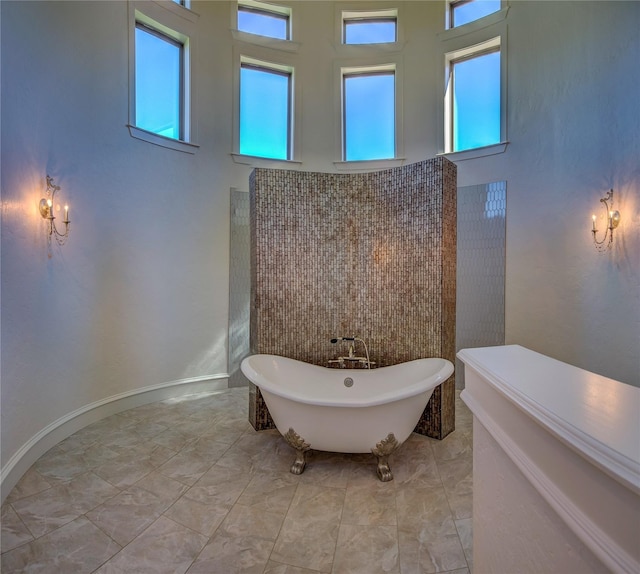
(556, 465)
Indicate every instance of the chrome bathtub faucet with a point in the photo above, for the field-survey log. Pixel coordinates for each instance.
(352, 356)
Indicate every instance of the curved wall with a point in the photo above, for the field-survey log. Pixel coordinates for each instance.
(138, 297)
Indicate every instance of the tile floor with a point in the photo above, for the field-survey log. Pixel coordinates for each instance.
(186, 485)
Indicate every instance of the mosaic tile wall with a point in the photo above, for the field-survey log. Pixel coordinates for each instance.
(371, 255)
(482, 211)
(239, 285)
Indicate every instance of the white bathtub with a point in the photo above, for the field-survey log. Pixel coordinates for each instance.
(314, 403)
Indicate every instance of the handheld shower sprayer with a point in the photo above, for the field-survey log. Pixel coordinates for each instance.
(343, 339)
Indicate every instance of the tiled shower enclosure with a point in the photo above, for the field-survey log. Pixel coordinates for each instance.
(371, 255)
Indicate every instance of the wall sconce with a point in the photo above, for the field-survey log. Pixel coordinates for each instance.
(46, 210)
(613, 219)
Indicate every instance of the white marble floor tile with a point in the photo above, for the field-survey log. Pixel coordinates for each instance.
(55, 507)
(309, 533)
(465, 532)
(126, 515)
(370, 505)
(227, 554)
(30, 483)
(204, 506)
(454, 446)
(173, 439)
(14, 531)
(76, 548)
(367, 550)
(57, 466)
(147, 429)
(191, 462)
(270, 492)
(457, 479)
(414, 463)
(164, 547)
(428, 539)
(123, 473)
(424, 551)
(331, 469)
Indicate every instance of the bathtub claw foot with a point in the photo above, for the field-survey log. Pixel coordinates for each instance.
(384, 472)
(302, 447)
(382, 451)
(298, 465)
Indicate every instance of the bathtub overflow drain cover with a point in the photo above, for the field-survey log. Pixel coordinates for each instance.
(348, 382)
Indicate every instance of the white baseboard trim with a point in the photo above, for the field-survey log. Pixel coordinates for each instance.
(65, 426)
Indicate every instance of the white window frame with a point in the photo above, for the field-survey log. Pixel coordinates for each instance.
(178, 23)
(366, 72)
(267, 9)
(490, 46)
(362, 66)
(449, 14)
(278, 69)
(279, 62)
(488, 21)
(176, 43)
(457, 44)
(368, 15)
(366, 9)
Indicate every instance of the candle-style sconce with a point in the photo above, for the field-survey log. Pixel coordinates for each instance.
(613, 219)
(46, 210)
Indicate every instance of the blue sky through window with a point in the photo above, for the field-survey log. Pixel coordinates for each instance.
(263, 23)
(158, 64)
(465, 12)
(264, 112)
(369, 116)
(476, 101)
(369, 31)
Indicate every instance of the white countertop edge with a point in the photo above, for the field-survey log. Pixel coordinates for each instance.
(583, 527)
(615, 464)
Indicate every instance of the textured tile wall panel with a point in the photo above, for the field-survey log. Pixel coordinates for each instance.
(371, 255)
(481, 267)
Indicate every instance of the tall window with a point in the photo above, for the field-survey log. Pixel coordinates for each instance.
(264, 19)
(464, 11)
(159, 94)
(473, 98)
(369, 124)
(265, 111)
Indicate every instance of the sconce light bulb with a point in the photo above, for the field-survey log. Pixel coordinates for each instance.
(593, 217)
(49, 203)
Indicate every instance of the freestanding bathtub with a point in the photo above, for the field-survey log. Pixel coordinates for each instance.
(345, 410)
